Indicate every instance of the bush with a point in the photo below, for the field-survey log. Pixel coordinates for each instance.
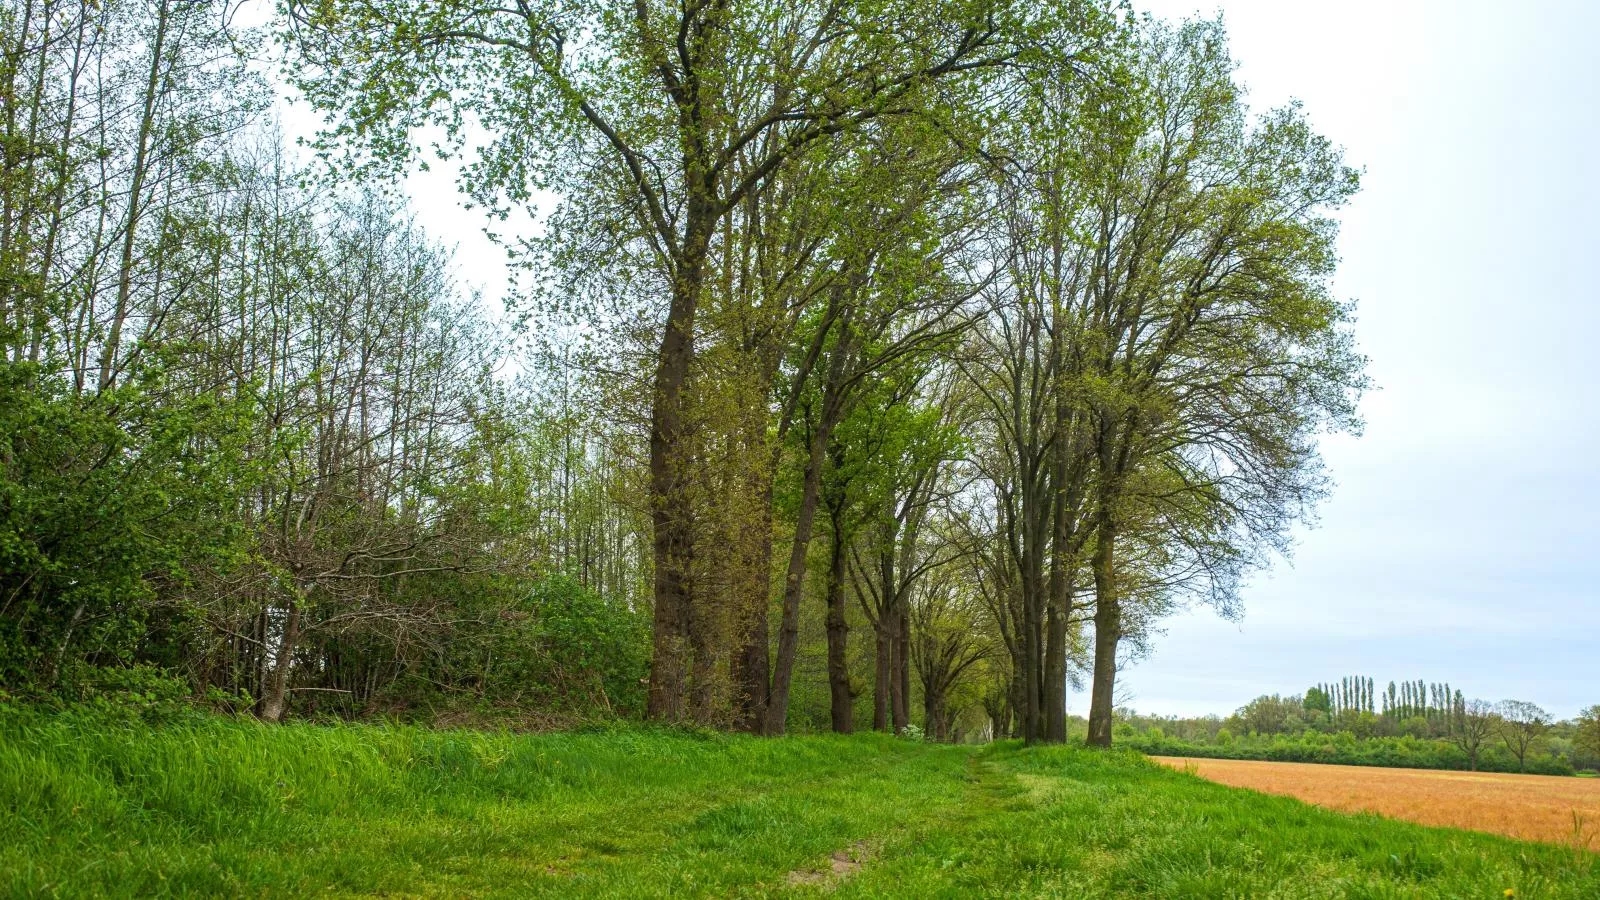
(101, 498)
(561, 650)
(594, 647)
(125, 693)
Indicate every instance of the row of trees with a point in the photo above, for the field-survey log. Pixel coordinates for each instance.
(991, 330)
(1052, 230)
(1469, 726)
(1408, 700)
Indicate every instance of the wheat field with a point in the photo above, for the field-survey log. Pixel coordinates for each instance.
(1533, 807)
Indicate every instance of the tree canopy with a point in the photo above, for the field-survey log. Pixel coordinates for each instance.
(988, 331)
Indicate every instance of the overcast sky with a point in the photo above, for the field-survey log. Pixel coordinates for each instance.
(1460, 543)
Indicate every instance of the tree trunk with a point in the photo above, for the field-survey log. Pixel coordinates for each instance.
(880, 675)
(1055, 673)
(936, 727)
(1031, 653)
(671, 511)
(995, 708)
(841, 702)
(777, 713)
(752, 666)
(794, 583)
(1014, 701)
(141, 170)
(707, 645)
(902, 669)
(276, 701)
(1063, 557)
(1107, 633)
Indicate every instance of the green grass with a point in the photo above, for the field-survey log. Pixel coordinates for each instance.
(228, 807)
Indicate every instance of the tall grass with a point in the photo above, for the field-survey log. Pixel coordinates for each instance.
(226, 807)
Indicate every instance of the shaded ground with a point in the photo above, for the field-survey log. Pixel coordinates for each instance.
(1533, 807)
(232, 808)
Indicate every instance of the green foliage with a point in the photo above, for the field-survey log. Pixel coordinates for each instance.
(592, 647)
(103, 499)
(1317, 700)
(1587, 739)
(1270, 714)
(557, 651)
(124, 695)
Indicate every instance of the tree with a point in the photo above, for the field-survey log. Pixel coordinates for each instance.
(662, 94)
(1215, 349)
(1521, 725)
(1267, 714)
(1037, 467)
(1587, 739)
(944, 643)
(893, 315)
(1317, 699)
(1471, 723)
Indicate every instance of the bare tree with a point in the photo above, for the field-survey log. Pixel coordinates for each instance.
(1472, 722)
(1521, 725)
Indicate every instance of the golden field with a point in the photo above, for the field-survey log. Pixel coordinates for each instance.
(1532, 807)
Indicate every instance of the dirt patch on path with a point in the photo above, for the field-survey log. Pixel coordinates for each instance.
(1545, 808)
(841, 865)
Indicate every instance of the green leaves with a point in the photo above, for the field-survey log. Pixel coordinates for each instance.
(101, 497)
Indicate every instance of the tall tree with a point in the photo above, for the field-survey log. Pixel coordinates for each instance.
(1587, 739)
(693, 106)
(1217, 352)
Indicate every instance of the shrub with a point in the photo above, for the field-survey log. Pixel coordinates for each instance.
(595, 648)
(560, 649)
(125, 693)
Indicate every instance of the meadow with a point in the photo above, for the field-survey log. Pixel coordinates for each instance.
(1533, 807)
(219, 806)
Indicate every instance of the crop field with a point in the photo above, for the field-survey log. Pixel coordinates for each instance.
(1532, 807)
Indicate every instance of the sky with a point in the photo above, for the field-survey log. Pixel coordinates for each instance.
(1460, 543)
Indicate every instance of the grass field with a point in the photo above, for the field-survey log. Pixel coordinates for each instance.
(1534, 807)
(234, 808)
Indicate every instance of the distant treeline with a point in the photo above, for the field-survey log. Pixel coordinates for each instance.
(1410, 724)
(1345, 749)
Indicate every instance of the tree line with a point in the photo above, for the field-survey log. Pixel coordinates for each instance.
(1444, 730)
(1410, 699)
(992, 332)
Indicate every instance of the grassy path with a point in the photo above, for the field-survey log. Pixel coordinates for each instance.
(234, 808)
